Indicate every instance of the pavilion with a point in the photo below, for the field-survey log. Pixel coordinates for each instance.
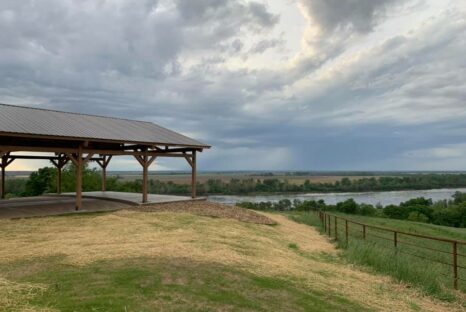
(80, 138)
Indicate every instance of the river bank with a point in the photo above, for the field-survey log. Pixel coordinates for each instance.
(373, 198)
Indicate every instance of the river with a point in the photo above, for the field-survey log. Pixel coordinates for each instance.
(374, 198)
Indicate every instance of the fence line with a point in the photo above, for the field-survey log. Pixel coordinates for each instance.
(326, 220)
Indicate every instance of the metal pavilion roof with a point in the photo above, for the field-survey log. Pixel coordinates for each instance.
(43, 122)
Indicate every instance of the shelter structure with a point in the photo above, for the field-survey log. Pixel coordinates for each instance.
(62, 137)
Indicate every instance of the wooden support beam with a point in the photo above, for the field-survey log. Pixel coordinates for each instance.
(73, 158)
(88, 157)
(145, 161)
(59, 169)
(151, 160)
(103, 163)
(70, 150)
(54, 162)
(189, 160)
(139, 158)
(3, 183)
(193, 175)
(59, 162)
(145, 172)
(78, 160)
(4, 163)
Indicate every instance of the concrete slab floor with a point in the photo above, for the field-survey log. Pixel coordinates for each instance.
(53, 205)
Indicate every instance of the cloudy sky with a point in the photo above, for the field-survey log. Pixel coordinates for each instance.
(271, 84)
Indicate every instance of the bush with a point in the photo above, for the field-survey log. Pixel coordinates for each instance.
(40, 182)
(418, 217)
(348, 206)
(367, 210)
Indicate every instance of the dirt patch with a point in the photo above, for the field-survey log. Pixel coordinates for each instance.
(205, 208)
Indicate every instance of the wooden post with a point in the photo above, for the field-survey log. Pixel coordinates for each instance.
(3, 180)
(104, 179)
(5, 162)
(145, 170)
(79, 178)
(60, 163)
(325, 222)
(191, 159)
(336, 229)
(363, 231)
(395, 239)
(145, 162)
(58, 180)
(455, 265)
(193, 176)
(329, 226)
(79, 162)
(346, 231)
(103, 163)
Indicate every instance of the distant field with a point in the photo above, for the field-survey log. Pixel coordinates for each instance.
(202, 178)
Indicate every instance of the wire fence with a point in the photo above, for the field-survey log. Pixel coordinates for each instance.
(448, 254)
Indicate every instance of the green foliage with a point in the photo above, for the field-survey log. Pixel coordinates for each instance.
(15, 187)
(348, 206)
(268, 184)
(40, 182)
(367, 210)
(91, 179)
(449, 213)
(417, 217)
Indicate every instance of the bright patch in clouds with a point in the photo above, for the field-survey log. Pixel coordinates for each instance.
(271, 84)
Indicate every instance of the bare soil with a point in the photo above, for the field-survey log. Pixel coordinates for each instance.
(205, 208)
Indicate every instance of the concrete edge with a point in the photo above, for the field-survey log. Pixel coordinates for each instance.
(129, 202)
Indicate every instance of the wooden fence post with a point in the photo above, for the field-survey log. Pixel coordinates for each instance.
(455, 265)
(329, 226)
(364, 231)
(324, 221)
(336, 229)
(346, 231)
(395, 239)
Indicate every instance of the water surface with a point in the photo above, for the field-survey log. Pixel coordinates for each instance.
(374, 198)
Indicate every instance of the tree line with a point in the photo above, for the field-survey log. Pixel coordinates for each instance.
(444, 212)
(44, 181)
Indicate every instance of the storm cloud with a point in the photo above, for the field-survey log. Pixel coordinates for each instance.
(302, 84)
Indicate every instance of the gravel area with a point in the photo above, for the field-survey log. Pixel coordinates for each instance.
(206, 208)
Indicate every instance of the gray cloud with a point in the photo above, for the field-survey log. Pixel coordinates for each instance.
(357, 15)
(174, 63)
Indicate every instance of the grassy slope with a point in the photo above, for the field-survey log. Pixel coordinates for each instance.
(130, 261)
(408, 263)
(412, 227)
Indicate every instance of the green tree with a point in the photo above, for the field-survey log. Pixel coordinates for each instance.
(40, 181)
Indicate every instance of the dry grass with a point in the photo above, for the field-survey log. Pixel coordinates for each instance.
(255, 248)
(205, 208)
(14, 296)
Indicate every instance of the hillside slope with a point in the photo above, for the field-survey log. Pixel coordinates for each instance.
(141, 261)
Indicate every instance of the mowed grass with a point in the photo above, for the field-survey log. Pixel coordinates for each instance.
(133, 261)
(420, 262)
(148, 284)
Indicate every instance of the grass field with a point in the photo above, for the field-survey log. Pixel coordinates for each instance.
(204, 177)
(422, 262)
(143, 261)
